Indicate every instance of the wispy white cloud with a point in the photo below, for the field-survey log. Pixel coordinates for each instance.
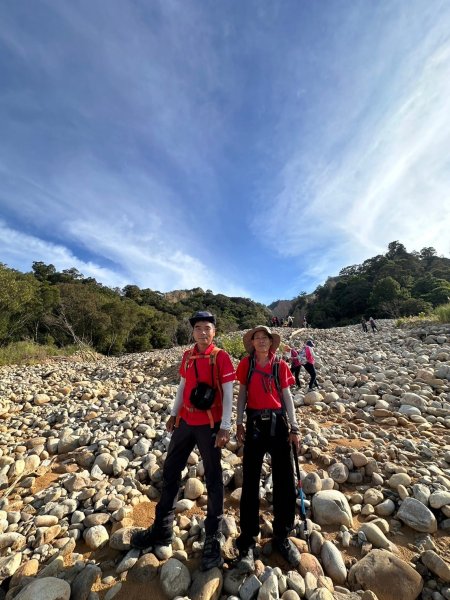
(16, 248)
(148, 261)
(133, 139)
(140, 139)
(133, 259)
(389, 178)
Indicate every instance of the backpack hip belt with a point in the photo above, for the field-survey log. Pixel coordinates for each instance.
(266, 414)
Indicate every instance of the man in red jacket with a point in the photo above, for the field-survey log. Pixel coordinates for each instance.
(201, 415)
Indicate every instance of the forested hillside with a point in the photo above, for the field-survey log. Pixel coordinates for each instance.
(390, 285)
(63, 308)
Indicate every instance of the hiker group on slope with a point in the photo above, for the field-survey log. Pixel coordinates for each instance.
(372, 324)
(201, 416)
(286, 322)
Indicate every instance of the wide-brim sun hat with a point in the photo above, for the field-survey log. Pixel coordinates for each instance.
(247, 338)
(202, 315)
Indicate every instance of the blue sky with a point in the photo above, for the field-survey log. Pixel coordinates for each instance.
(252, 148)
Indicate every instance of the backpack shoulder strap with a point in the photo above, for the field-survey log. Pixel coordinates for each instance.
(275, 372)
(251, 368)
(215, 371)
(188, 357)
(276, 375)
(213, 355)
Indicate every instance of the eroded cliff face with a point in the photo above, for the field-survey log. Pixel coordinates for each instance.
(281, 308)
(177, 295)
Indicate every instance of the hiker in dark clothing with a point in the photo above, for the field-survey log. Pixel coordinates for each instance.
(373, 324)
(364, 325)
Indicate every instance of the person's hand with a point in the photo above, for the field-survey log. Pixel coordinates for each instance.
(170, 424)
(222, 438)
(240, 433)
(294, 438)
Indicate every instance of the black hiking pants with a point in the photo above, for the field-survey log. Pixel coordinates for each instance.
(258, 441)
(184, 438)
(295, 372)
(312, 372)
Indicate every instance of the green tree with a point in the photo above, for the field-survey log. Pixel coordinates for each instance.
(18, 300)
(123, 317)
(79, 315)
(427, 253)
(351, 296)
(387, 296)
(43, 272)
(396, 250)
(440, 294)
(424, 285)
(46, 301)
(133, 293)
(414, 306)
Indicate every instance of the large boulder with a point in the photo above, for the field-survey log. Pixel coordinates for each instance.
(417, 516)
(333, 563)
(412, 399)
(206, 585)
(436, 564)
(175, 578)
(48, 588)
(388, 576)
(330, 507)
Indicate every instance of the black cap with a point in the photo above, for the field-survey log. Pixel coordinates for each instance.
(202, 315)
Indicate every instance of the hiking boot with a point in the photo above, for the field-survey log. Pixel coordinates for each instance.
(144, 538)
(212, 556)
(246, 562)
(287, 550)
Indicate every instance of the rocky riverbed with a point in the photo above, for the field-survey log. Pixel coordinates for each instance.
(82, 446)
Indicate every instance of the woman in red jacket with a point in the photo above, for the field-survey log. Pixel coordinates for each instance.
(271, 426)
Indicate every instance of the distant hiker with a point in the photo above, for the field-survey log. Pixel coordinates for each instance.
(265, 395)
(308, 359)
(293, 357)
(364, 325)
(277, 322)
(305, 322)
(201, 415)
(274, 321)
(290, 321)
(373, 324)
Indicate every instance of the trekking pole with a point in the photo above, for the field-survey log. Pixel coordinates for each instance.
(301, 496)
